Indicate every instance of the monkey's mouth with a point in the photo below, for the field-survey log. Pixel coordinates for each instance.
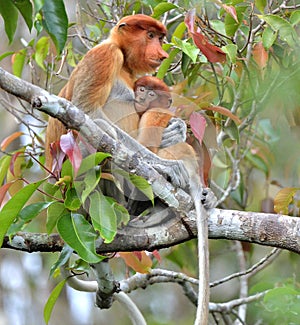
(155, 63)
(139, 107)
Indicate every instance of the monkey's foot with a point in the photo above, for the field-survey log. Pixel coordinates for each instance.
(208, 198)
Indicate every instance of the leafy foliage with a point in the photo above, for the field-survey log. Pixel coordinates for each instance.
(236, 61)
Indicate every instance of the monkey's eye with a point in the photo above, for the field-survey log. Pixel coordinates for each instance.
(161, 38)
(150, 35)
(141, 89)
(151, 93)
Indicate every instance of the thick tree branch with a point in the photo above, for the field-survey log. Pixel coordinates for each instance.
(264, 229)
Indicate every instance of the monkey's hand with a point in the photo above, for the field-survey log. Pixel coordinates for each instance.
(208, 198)
(173, 169)
(174, 133)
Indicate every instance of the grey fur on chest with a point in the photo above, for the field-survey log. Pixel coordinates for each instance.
(121, 91)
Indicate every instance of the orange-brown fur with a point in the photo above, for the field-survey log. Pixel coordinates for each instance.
(106, 75)
(154, 120)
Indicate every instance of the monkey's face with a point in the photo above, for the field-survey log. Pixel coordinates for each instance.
(144, 98)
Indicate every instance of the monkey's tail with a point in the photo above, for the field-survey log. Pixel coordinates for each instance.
(203, 257)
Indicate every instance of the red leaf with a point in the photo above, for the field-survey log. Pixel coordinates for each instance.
(57, 155)
(198, 125)
(211, 52)
(157, 255)
(189, 20)
(71, 148)
(138, 255)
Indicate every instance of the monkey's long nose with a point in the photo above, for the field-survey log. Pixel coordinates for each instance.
(163, 55)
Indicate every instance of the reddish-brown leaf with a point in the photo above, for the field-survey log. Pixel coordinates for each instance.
(260, 55)
(138, 261)
(189, 20)
(224, 111)
(70, 147)
(57, 155)
(3, 190)
(230, 10)
(211, 52)
(8, 140)
(198, 125)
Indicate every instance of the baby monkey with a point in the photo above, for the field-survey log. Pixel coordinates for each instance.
(152, 102)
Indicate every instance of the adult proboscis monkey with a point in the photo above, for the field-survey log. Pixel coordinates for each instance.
(102, 83)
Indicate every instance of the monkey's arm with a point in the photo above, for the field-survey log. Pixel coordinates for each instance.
(89, 91)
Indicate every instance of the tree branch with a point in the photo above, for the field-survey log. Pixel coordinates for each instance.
(169, 227)
(261, 228)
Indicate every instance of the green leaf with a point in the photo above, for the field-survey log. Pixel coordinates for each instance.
(4, 165)
(179, 31)
(54, 212)
(91, 180)
(283, 199)
(268, 37)
(12, 208)
(143, 185)
(122, 214)
(67, 169)
(18, 63)
(26, 215)
(163, 69)
(231, 25)
(91, 161)
(63, 258)
(25, 8)
(233, 132)
(283, 27)
(258, 162)
(10, 15)
(38, 5)
(279, 292)
(295, 17)
(161, 8)
(80, 235)
(231, 51)
(261, 5)
(55, 21)
(52, 190)
(72, 201)
(41, 51)
(189, 49)
(52, 300)
(6, 54)
(103, 216)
